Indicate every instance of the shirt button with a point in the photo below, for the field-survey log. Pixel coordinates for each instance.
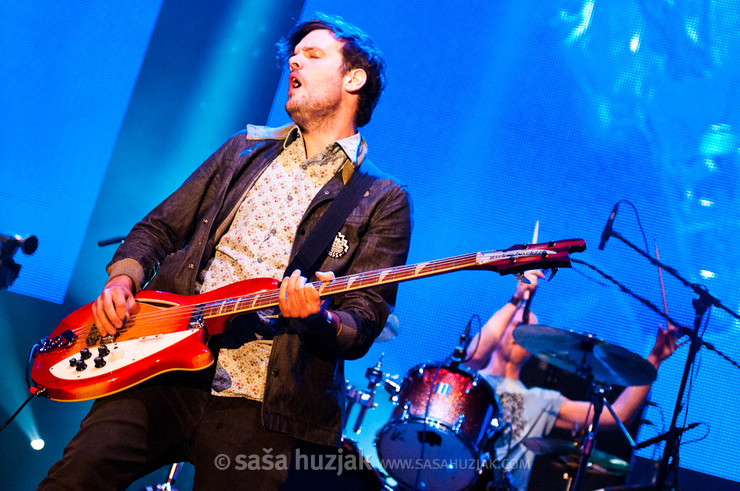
(275, 372)
(191, 266)
(205, 220)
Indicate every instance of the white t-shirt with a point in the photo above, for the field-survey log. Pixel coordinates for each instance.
(530, 413)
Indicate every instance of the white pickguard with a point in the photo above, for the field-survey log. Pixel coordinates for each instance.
(121, 354)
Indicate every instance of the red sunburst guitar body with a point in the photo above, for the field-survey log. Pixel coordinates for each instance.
(167, 334)
(74, 363)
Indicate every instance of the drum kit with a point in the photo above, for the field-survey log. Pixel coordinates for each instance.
(446, 418)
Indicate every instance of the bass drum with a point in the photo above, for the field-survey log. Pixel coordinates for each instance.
(445, 418)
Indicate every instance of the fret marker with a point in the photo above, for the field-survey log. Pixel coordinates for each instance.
(420, 267)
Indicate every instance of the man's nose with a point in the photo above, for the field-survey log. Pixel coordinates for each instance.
(294, 63)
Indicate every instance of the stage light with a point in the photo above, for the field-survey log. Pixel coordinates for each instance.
(37, 444)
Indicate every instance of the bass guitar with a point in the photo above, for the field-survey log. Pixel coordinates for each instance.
(170, 332)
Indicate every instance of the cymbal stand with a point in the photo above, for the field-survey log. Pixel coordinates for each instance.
(364, 397)
(599, 391)
(700, 304)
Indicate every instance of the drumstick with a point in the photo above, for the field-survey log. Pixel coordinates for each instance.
(535, 234)
(662, 287)
(527, 295)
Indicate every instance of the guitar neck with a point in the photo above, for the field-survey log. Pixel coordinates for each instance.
(359, 281)
(516, 259)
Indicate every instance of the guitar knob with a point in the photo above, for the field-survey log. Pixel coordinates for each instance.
(85, 353)
(99, 362)
(103, 350)
(72, 362)
(80, 366)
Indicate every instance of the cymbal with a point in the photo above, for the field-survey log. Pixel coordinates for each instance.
(554, 446)
(585, 355)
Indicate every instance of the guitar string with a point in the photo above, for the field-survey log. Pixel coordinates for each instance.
(338, 285)
(270, 298)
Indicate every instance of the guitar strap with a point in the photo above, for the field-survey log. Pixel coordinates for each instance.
(321, 237)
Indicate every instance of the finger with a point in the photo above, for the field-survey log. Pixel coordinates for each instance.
(106, 313)
(293, 297)
(299, 301)
(535, 273)
(313, 300)
(133, 305)
(283, 297)
(121, 303)
(98, 318)
(325, 275)
(111, 308)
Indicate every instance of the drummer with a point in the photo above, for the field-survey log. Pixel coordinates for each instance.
(533, 412)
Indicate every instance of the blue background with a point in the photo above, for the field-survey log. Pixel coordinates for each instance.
(497, 115)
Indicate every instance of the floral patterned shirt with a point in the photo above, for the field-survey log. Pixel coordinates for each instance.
(258, 245)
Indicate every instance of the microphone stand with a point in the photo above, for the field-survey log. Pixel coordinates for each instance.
(700, 304)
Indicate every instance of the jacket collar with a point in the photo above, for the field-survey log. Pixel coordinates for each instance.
(354, 146)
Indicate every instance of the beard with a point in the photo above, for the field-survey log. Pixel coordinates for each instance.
(311, 112)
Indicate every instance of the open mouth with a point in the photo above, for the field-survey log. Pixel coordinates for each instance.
(294, 82)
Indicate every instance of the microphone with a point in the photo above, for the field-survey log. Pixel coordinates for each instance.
(608, 228)
(111, 241)
(460, 353)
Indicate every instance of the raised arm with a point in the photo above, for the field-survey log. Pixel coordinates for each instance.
(575, 414)
(485, 342)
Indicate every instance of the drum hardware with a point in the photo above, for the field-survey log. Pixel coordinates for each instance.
(365, 398)
(458, 425)
(554, 446)
(405, 413)
(595, 360)
(392, 386)
(444, 413)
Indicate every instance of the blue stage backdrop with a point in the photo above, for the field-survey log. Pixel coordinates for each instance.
(501, 114)
(66, 83)
(497, 115)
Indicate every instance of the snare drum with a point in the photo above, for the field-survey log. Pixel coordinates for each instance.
(446, 414)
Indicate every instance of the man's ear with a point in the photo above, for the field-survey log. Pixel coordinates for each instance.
(354, 79)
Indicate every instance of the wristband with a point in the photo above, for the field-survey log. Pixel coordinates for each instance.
(516, 301)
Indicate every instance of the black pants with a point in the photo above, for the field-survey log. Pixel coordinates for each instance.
(173, 418)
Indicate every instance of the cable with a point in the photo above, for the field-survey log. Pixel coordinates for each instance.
(469, 356)
(652, 307)
(639, 223)
(645, 302)
(695, 440)
(33, 394)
